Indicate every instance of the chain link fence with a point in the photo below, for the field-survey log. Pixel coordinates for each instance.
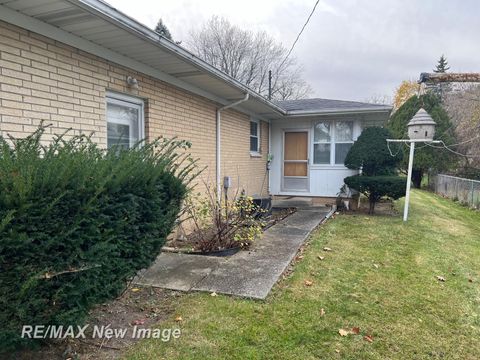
(463, 190)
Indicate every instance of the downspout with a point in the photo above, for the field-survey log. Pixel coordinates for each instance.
(218, 149)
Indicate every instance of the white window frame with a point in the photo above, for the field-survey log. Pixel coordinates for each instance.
(340, 142)
(255, 152)
(127, 100)
(322, 142)
(332, 142)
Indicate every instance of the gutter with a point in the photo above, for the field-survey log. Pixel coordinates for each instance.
(218, 169)
(303, 113)
(126, 22)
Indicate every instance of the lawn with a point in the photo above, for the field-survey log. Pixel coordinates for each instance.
(381, 276)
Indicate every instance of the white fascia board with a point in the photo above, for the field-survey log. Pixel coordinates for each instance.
(16, 18)
(292, 114)
(129, 24)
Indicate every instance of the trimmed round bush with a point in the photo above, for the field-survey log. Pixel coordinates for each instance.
(376, 187)
(77, 221)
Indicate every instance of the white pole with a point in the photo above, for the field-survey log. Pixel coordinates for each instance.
(409, 180)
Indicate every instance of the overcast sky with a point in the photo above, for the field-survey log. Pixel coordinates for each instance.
(351, 49)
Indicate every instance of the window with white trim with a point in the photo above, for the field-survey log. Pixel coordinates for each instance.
(254, 136)
(331, 142)
(343, 140)
(322, 143)
(125, 120)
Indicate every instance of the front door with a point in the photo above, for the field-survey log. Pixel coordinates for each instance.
(295, 161)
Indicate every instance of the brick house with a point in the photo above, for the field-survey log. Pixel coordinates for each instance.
(84, 65)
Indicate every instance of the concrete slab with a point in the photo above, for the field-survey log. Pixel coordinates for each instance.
(178, 271)
(293, 201)
(253, 274)
(249, 274)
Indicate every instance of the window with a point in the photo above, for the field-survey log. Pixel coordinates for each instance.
(343, 140)
(331, 142)
(254, 136)
(124, 121)
(321, 143)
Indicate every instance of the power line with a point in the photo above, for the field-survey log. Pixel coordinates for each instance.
(452, 151)
(298, 36)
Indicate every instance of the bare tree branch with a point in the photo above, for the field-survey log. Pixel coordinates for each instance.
(248, 56)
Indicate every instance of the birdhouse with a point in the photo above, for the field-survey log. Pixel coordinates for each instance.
(421, 127)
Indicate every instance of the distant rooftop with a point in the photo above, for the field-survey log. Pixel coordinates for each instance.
(327, 105)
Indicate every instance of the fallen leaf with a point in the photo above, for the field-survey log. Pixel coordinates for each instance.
(308, 283)
(355, 330)
(337, 351)
(138, 322)
(214, 294)
(135, 289)
(321, 257)
(368, 338)
(327, 249)
(322, 312)
(178, 319)
(343, 332)
(440, 278)
(299, 257)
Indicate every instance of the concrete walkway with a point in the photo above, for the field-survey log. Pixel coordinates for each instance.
(249, 274)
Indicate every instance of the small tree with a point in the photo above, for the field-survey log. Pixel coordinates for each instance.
(162, 29)
(376, 187)
(403, 92)
(426, 157)
(370, 153)
(442, 66)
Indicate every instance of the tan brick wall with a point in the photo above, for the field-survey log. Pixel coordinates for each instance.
(42, 79)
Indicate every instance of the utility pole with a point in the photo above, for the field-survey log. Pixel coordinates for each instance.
(269, 84)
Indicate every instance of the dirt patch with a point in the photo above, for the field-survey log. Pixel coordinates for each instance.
(384, 207)
(143, 307)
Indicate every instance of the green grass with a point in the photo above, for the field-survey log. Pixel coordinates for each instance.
(409, 313)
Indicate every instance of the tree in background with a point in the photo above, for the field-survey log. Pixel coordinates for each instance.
(442, 66)
(404, 91)
(162, 30)
(370, 153)
(248, 56)
(463, 106)
(380, 99)
(426, 157)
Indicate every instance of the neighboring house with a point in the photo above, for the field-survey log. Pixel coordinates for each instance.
(84, 65)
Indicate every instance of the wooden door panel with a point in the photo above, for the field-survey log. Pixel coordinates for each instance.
(296, 146)
(295, 169)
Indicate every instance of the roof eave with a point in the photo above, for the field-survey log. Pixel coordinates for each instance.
(301, 113)
(129, 24)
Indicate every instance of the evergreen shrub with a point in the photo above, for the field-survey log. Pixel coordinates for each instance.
(77, 222)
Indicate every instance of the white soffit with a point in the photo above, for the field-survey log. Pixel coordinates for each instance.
(95, 27)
